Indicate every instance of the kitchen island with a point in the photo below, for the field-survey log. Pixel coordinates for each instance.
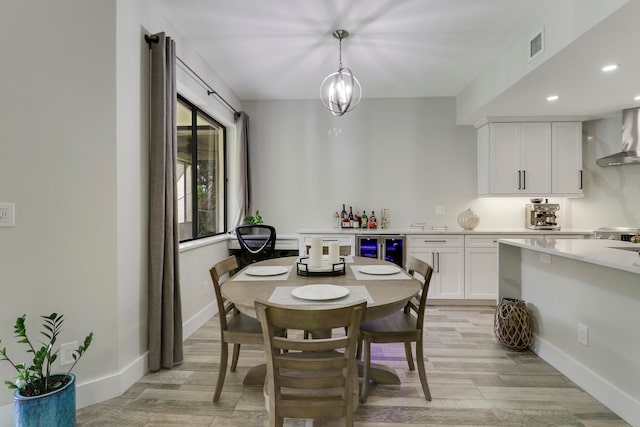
(585, 300)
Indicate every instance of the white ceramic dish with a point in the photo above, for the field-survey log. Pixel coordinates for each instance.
(320, 292)
(266, 271)
(379, 270)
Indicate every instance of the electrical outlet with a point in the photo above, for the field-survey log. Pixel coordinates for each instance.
(545, 258)
(583, 334)
(7, 215)
(66, 353)
(440, 210)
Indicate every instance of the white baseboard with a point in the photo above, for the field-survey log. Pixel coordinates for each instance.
(625, 406)
(108, 387)
(202, 317)
(96, 390)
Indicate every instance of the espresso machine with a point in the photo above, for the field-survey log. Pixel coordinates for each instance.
(541, 216)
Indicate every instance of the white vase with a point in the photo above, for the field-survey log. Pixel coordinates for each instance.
(468, 219)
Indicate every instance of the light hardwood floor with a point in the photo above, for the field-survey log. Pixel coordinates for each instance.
(473, 380)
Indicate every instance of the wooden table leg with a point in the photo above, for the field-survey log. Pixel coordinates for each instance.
(381, 374)
(256, 375)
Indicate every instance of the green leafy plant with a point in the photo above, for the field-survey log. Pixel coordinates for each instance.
(253, 219)
(35, 379)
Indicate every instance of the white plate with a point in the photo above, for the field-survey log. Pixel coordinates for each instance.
(379, 269)
(320, 292)
(266, 271)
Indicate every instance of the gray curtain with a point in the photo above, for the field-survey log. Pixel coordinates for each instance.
(243, 177)
(165, 312)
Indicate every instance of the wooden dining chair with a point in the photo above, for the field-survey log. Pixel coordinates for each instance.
(315, 378)
(404, 326)
(235, 328)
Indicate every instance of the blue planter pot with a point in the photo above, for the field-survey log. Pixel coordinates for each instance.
(57, 408)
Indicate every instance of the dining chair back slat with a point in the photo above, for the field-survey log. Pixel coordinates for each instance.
(315, 378)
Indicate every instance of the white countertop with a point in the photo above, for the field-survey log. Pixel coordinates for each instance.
(456, 230)
(597, 252)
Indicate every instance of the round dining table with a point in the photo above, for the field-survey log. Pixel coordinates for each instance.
(385, 294)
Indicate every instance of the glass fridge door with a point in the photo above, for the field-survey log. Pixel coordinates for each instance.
(394, 250)
(368, 246)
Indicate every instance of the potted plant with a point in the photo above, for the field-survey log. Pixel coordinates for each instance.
(42, 397)
(253, 219)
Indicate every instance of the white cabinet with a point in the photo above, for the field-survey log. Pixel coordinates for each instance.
(342, 239)
(566, 158)
(481, 265)
(537, 158)
(514, 158)
(445, 254)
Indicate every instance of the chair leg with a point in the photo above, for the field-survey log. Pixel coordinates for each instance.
(422, 372)
(409, 353)
(224, 352)
(234, 358)
(275, 421)
(366, 351)
(359, 349)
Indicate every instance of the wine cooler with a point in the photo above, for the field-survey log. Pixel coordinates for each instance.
(387, 247)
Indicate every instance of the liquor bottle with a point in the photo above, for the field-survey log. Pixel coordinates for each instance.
(351, 219)
(344, 218)
(364, 221)
(356, 220)
(372, 220)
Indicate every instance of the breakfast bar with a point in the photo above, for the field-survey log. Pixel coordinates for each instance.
(585, 298)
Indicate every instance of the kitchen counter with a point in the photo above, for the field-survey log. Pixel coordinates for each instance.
(585, 298)
(599, 252)
(456, 230)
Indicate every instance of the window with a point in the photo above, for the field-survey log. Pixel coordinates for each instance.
(200, 171)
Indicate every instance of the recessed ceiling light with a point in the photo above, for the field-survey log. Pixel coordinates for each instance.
(637, 98)
(553, 98)
(610, 67)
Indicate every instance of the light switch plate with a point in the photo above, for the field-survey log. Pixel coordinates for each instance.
(7, 214)
(440, 210)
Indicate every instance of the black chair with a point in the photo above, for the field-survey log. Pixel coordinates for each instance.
(257, 243)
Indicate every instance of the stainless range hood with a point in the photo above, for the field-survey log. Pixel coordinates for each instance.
(630, 153)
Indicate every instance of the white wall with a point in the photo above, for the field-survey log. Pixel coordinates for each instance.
(73, 115)
(403, 154)
(58, 164)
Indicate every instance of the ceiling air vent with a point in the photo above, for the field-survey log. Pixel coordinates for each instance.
(536, 44)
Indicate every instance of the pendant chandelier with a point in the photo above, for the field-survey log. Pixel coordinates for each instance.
(340, 91)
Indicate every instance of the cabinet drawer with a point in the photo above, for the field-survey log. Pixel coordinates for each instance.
(491, 241)
(342, 240)
(436, 241)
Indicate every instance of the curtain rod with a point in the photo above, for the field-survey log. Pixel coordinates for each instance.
(210, 91)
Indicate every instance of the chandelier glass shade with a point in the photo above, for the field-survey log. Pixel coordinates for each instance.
(340, 91)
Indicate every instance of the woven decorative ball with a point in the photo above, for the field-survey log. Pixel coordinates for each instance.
(468, 219)
(513, 324)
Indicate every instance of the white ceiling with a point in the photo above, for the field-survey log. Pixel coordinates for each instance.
(282, 49)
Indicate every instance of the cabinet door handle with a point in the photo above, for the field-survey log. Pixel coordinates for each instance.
(435, 241)
(437, 262)
(519, 180)
(580, 188)
(524, 180)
